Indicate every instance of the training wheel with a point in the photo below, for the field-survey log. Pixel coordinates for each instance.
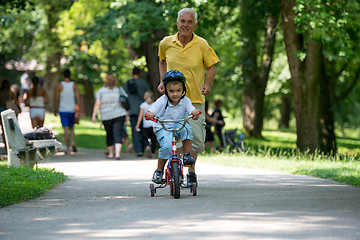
(152, 190)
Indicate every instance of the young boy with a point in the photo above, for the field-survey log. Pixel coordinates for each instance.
(171, 106)
(147, 126)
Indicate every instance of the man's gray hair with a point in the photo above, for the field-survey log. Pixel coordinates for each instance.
(189, 10)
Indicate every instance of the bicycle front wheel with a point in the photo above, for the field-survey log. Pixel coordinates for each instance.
(175, 177)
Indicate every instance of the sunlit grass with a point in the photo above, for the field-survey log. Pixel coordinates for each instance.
(341, 169)
(87, 134)
(19, 184)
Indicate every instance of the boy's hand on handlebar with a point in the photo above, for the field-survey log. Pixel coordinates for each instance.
(149, 115)
(195, 114)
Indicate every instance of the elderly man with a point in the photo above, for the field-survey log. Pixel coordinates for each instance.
(191, 55)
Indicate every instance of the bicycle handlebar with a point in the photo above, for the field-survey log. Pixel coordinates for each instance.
(162, 122)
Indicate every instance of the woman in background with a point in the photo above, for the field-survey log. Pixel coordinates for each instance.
(112, 114)
(36, 98)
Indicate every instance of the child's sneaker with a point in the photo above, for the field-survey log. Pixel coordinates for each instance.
(157, 176)
(188, 160)
(191, 179)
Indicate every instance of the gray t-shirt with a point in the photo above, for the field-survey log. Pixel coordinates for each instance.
(136, 99)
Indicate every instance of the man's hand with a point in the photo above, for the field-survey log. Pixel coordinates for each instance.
(161, 88)
(195, 114)
(205, 89)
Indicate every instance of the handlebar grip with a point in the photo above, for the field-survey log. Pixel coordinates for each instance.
(151, 119)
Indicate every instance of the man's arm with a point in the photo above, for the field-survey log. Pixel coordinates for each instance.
(56, 100)
(162, 70)
(77, 96)
(209, 79)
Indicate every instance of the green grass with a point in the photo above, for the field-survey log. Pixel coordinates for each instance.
(19, 184)
(87, 133)
(343, 169)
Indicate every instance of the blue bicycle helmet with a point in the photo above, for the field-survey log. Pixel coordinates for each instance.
(174, 75)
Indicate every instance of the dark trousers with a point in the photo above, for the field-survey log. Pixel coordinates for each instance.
(150, 135)
(113, 129)
(137, 137)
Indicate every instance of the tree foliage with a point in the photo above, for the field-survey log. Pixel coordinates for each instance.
(93, 37)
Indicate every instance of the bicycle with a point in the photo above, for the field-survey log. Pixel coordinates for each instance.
(174, 171)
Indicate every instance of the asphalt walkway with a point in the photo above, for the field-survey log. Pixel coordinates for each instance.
(109, 199)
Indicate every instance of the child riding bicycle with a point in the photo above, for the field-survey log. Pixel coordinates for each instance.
(171, 106)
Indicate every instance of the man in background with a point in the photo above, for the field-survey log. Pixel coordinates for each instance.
(66, 99)
(136, 88)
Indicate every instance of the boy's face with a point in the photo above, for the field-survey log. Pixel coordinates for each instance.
(174, 90)
(147, 98)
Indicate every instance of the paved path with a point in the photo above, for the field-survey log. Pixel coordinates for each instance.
(108, 199)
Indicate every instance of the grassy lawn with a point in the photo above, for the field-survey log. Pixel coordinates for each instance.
(18, 184)
(277, 152)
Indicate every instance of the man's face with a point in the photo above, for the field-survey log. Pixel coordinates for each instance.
(186, 24)
(174, 90)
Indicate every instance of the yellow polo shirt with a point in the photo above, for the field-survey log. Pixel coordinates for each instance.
(190, 60)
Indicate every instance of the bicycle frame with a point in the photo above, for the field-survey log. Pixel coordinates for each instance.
(178, 178)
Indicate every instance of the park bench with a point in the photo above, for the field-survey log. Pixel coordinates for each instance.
(23, 152)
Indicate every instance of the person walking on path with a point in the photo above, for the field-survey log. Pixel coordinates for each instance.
(136, 88)
(191, 55)
(112, 114)
(147, 126)
(66, 98)
(219, 125)
(36, 98)
(25, 83)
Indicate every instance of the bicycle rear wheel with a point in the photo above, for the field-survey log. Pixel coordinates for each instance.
(175, 180)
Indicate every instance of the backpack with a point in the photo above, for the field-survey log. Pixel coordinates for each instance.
(40, 133)
(131, 86)
(123, 98)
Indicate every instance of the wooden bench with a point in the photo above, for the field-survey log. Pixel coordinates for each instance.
(22, 152)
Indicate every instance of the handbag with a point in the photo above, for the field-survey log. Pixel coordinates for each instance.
(123, 99)
(10, 104)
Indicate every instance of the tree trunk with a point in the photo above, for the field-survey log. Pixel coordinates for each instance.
(327, 129)
(304, 79)
(52, 78)
(285, 111)
(88, 99)
(152, 63)
(256, 78)
(54, 54)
